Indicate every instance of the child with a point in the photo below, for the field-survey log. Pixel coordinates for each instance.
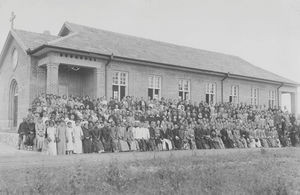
(70, 138)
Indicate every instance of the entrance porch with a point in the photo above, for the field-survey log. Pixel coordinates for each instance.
(73, 74)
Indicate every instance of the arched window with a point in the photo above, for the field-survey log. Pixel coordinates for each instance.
(13, 104)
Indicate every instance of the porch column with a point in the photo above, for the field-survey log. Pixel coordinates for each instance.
(100, 81)
(52, 78)
(294, 103)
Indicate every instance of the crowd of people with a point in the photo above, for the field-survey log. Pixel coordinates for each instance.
(73, 125)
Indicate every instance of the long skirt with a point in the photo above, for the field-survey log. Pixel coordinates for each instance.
(87, 146)
(178, 144)
(97, 146)
(123, 146)
(199, 143)
(51, 150)
(61, 147)
(78, 146)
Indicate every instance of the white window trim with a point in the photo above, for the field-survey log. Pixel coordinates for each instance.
(153, 85)
(213, 92)
(119, 82)
(254, 96)
(272, 98)
(235, 97)
(183, 90)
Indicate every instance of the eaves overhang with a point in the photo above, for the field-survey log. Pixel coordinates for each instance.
(46, 48)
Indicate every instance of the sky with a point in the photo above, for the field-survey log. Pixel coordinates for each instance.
(266, 33)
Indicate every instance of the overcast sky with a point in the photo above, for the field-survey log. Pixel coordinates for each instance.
(263, 32)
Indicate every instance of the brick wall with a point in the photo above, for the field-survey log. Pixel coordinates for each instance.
(21, 74)
(138, 83)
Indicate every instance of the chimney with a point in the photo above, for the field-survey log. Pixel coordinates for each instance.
(46, 32)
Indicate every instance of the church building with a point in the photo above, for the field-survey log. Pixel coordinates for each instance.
(82, 60)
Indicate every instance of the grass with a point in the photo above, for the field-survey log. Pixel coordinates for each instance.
(266, 171)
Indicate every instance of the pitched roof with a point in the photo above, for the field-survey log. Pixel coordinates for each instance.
(105, 42)
(33, 40)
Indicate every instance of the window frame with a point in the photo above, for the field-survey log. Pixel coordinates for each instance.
(119, 81)
(272, 98)
(186, 93)
(154, 85)
(211, 90)
(234, 94)
(254, 96)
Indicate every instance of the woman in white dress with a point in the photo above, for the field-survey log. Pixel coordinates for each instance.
(70, 138)
(51, 134)
(40, 129)
(78, 134)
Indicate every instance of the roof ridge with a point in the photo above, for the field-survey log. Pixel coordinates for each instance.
(34, 32)
(62, 38)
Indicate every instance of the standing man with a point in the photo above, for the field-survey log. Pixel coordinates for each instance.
(22, 131)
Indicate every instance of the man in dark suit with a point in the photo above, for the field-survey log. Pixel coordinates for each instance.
(23, 132)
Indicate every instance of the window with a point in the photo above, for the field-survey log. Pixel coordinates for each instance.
(254, 96)
(184, 89)
(234, 95)
(210, 97)
(272, 98)
(119, 85)
(154, 87)
(15, 58)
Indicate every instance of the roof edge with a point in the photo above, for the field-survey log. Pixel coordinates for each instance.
(11, 35)
(31, 52)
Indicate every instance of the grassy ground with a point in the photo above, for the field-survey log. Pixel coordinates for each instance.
(236, 171)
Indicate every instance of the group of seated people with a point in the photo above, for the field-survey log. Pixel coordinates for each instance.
(73, 125)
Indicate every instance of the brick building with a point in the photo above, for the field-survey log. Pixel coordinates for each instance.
(82, 60)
